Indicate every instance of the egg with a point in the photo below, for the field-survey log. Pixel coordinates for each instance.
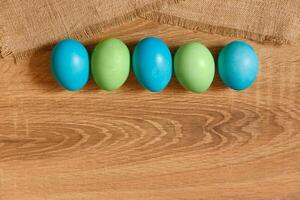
(238, 65)
(152, 64)
(70, 64)
(194, 67)
(110, 64)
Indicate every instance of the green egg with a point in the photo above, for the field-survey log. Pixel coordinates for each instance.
(194, 67)
(110, 64)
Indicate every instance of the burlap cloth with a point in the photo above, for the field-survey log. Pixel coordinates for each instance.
(277, 21)
(28, 25)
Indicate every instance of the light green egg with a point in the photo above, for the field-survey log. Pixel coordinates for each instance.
(110, 64)
(194, 67)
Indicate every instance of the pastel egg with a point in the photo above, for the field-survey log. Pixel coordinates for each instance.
(152, 64)
(110, 64)
(194, 67)
(70, 64)
(238, 65)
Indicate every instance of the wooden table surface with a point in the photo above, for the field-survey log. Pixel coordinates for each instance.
(132, 144)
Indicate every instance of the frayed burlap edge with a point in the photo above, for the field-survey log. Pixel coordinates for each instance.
(4, 50)
(86, 33)
(225, 31)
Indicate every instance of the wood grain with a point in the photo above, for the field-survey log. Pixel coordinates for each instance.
(133, 144)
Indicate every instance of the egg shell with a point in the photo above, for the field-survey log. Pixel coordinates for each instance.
(194, 67)
(152, 64)
(110, 64)
(70, 64)
(238, 65)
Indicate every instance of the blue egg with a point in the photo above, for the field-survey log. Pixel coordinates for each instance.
(152, 64)
(238, 65)
(70, 64)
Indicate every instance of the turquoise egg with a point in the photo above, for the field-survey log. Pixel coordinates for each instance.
(152, 64)
(238, 65)
(70, 64)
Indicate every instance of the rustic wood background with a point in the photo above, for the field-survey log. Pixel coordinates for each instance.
(133, 144)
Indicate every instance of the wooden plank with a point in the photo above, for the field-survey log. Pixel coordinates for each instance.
(133, 144)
